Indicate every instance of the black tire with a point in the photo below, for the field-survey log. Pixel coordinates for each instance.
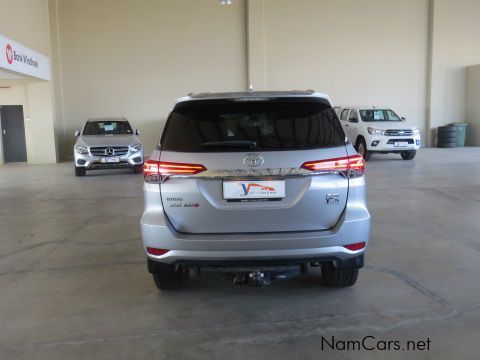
(138, 169)
(447, 144)
(361, 148)
(80, 171)
(447, 130)
(170, 277)
(338, 277)
(446, 138)
(408, 155)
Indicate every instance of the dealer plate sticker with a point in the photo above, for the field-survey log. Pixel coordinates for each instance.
(400, 144)
(234, 190)
(110, 160)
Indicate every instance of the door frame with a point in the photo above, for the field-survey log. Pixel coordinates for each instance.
(2, 149)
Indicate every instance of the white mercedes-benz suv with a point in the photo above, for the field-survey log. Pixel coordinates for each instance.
(379, 131)
(107, 143)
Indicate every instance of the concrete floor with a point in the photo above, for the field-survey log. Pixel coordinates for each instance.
(73, 281)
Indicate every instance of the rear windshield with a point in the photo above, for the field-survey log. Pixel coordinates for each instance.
(261, 125)
(107, 128)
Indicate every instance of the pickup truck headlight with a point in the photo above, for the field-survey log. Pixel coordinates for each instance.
(374, 131)
(135, 148)
(81, 149)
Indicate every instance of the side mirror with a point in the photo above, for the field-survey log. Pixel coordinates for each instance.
(77, 133)
(137, 132)
(403, 119)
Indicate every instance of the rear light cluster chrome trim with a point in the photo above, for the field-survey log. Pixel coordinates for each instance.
(253, 173)
(350, 166)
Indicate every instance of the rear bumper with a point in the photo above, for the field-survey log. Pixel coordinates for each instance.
(352, 227)
(338, 262)
(386, 144)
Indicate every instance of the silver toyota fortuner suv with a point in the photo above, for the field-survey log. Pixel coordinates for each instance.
(107, 143)
(258, 185)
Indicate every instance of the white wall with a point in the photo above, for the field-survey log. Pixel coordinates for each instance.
(455, 46)
(13, 92)
(35, 97)
(40, 129)
(363, 52)
(134, 58)
(27, 22)
(472, 113)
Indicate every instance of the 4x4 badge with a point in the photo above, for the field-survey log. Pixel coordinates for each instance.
(253, 160)
(332, 199)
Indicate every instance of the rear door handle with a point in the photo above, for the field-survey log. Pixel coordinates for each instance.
(4, 132)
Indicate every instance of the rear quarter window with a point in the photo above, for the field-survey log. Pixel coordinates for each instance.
(223, 126)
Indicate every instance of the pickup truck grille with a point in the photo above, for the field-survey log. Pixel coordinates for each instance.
(108, 151)
(393, 141)
(399, 132)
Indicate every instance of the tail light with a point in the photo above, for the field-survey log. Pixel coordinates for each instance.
(154, 170)
(352, 166)
(355, 247)
(157, 252)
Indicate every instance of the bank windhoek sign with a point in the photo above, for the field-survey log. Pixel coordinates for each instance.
(19, 58)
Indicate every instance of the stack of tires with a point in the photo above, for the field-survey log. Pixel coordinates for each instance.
(447, 136)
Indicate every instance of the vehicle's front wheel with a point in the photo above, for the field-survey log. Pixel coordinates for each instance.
(362, 149)
(80, 171)
(408, 155)
(170, 277)
(339, 277)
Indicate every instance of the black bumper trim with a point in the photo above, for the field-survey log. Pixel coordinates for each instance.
(389, 151)
(106, 166)
(355, 262)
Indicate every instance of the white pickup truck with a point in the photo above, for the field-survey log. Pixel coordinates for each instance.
(379, 131)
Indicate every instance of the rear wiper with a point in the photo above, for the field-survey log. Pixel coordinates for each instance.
(231, 143)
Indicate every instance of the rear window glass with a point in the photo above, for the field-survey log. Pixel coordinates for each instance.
(262, 126)
(107, 128)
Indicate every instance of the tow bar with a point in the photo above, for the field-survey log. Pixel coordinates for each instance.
(265, 276)
(255, 278)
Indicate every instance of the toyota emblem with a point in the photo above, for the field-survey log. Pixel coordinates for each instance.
(253, 160)
(109, 151)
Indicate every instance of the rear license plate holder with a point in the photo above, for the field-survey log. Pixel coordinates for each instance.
(251, 190)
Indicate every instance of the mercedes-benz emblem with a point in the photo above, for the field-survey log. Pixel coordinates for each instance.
(109, 151)
(253, 160)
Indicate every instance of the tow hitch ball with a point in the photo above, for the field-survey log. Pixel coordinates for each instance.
(255, 278)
